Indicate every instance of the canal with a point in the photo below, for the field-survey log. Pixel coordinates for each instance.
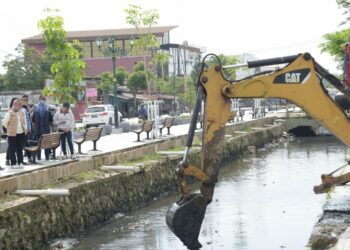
(261, 202)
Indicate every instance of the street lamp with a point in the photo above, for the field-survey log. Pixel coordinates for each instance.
(112, 50)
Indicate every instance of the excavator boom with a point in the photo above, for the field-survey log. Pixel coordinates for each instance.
(299, 82)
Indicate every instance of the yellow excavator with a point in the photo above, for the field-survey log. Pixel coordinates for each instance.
(298, 80)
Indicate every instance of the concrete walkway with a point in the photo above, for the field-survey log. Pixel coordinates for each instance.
(106, 144)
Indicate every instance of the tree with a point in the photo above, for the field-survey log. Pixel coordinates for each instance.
(106, 83)
(67, 67)
(137, 81)
(139, 18)
(334, 44)
(160, 59)
(345, 4)
(187, 98)
(2, 83)
(226, 60)
(28, 71)
(121, 75)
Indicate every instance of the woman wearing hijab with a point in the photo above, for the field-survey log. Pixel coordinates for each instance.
(16, 125)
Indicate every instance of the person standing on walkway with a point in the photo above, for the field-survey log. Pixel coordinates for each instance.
(64, 120)
(5, 131)
(41, 123)
(25, 110)
(16, 126)
(142, 112)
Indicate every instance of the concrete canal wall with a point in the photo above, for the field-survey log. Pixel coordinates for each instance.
(96, 196)
(56, 172)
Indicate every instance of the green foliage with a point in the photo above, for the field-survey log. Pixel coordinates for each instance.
(140, 18)
(67, 67)
(106, 83)
(160, 59)
(195, 71)
(137, 81)
(2, 82)
(146, 41)
(226, 60)
(345, 4)
(140, 66)
(28, 71)
(121, 75)
(149, 157)
(164, 87)
(188, 97)
(335, 43)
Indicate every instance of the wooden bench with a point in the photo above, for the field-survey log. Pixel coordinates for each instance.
(91, 134)
(168, 123)
(241, 113)
(147, 127)
(255, 113)
(46, 141)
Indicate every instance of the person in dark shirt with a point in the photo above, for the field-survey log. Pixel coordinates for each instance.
(142, 113)
(42, 119)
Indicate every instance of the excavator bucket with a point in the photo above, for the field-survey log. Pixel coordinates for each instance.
(185, 219)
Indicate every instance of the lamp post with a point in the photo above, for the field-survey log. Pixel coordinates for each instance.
(112, 50)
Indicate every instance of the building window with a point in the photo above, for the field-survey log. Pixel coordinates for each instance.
(96, 51)
(166, 38)
(86, 49)
(99, 52)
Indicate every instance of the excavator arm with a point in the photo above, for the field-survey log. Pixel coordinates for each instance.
(299, 82)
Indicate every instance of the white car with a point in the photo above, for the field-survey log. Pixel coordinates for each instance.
(99, 115)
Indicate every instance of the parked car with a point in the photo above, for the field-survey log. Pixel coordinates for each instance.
(99, 115)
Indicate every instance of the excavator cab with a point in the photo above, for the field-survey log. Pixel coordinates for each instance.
(299, 80)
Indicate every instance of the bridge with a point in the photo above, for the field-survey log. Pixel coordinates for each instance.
(300, 123)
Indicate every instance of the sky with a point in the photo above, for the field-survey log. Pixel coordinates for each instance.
(265, 28)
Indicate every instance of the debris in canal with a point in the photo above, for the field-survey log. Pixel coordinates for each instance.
(63, 244)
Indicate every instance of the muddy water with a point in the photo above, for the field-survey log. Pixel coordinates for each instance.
(262, 202)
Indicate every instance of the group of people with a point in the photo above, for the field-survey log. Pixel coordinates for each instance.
(25, 124)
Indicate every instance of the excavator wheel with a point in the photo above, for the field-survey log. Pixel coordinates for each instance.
(185, 218)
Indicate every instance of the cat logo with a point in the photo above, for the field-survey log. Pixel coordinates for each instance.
(292, 77)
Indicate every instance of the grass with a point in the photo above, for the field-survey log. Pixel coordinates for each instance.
(197, 141)
(149, 157)
(45, 186)
(7, 198)
(248, 129)
(80, 177)
(88, 175)
(179, 148)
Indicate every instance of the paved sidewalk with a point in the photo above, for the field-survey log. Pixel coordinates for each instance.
(108, 143)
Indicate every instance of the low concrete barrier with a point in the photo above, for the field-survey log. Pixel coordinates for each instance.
(30, 222)
(61, 170)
